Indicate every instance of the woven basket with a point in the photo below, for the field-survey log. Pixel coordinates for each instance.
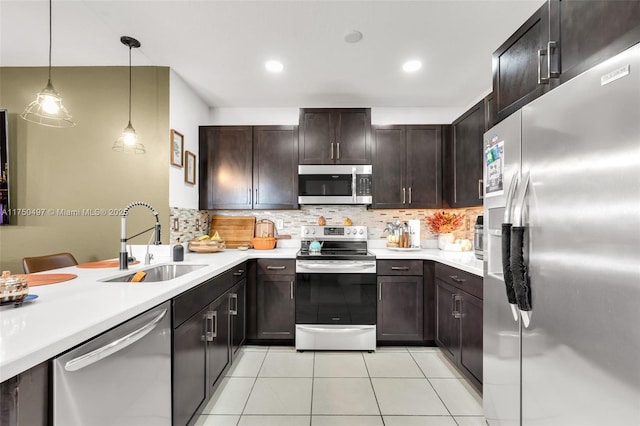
(264, 243)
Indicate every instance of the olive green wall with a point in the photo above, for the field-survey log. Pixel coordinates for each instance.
(76, 168)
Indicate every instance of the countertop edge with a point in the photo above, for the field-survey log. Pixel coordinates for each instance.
(134, 300)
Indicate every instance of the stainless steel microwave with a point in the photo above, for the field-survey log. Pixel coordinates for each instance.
(334, 184)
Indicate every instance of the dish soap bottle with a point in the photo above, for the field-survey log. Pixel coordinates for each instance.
(178, 252)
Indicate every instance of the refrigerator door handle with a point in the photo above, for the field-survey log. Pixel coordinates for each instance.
(506, 247)
(519, 268)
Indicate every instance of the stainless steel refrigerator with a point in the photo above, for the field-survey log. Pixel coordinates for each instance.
(562, 225)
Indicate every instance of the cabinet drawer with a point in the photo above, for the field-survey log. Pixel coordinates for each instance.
(276, 266)
(399, 267)
(470, 283)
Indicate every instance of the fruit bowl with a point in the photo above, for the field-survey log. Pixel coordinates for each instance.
(206, 246)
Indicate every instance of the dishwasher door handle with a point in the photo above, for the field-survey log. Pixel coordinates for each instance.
(113, 347)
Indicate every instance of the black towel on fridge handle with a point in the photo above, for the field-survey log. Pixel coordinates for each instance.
(521, 282)
(506, 263)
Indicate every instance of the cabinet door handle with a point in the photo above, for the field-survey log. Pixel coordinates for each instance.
(404, 193)
(399, 268)
(409, 195)
(380, 292)
(256, 198)
(551, 46)
(337, 150)
(208, 319)
(456, 279)
(249, 196)
(214, 317)
(234, 311)
(291, 289)
(458, 312)
(541, 79)
(480, 185)
(205, 331)
(277, 268)
(453, 305)
(331, 151)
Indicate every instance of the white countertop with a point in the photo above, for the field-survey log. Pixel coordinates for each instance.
(69, 313)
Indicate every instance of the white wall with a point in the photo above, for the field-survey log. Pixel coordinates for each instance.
(187, 111)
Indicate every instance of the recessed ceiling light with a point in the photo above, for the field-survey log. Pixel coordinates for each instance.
(353, 36)
(412, 66)
(274, 66)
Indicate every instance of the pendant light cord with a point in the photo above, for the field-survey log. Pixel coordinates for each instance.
(50, 37)
(129, 84)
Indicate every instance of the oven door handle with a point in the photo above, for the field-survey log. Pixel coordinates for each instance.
(318, 329)
(323, 266)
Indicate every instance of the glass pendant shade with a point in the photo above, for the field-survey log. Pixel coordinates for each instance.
(47, 109)
(128, 142)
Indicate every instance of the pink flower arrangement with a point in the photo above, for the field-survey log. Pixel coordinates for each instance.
(442, 222)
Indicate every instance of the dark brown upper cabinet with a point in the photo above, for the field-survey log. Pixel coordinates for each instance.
(244, 167)
(335, 136)
(518, 64)
(463, 158)
(561, 40)
(407, 167)
(588, 32)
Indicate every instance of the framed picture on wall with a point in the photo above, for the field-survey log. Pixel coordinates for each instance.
(190, 167)
(177, 148)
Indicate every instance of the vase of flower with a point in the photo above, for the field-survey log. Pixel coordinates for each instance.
(444, 239)
(443, 224)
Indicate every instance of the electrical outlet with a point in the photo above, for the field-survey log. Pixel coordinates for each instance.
(279, 223)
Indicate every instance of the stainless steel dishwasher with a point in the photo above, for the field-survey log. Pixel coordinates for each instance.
(122, 377)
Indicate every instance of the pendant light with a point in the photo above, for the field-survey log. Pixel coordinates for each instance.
(128, 141)
(47, 109)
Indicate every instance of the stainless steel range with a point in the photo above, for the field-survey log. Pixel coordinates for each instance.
(336, 304)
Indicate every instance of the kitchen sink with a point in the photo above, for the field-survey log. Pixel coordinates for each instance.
(158, 273)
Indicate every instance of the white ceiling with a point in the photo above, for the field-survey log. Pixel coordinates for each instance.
(219, 47)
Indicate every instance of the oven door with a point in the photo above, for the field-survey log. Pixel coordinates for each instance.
(336, 298)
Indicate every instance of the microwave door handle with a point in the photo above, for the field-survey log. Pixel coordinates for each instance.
(354, 176)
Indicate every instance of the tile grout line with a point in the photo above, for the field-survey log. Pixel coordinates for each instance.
(244, 407)
(372, 387)
(313, 381)
(435, 390)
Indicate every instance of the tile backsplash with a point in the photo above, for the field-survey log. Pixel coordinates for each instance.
(192, 223)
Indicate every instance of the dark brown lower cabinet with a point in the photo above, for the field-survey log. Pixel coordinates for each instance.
(459, 320)
(205, 330)
(275, 301)
(400, 301)
(189, 367)
(238, 315)
(218, 340)
(24, 399)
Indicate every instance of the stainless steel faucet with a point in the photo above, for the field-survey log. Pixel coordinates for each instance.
(124, 256)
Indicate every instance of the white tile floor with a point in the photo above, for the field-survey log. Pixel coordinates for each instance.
(395, 386)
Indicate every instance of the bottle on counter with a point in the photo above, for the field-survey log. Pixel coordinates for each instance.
(178, 252)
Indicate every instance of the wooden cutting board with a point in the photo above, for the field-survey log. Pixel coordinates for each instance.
(236, 231)
(43, 279)
(104, 264)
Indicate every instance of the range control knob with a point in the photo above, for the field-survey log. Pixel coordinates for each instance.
(361, 231)
(348, 231)
(306, 231)
(313, 231)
